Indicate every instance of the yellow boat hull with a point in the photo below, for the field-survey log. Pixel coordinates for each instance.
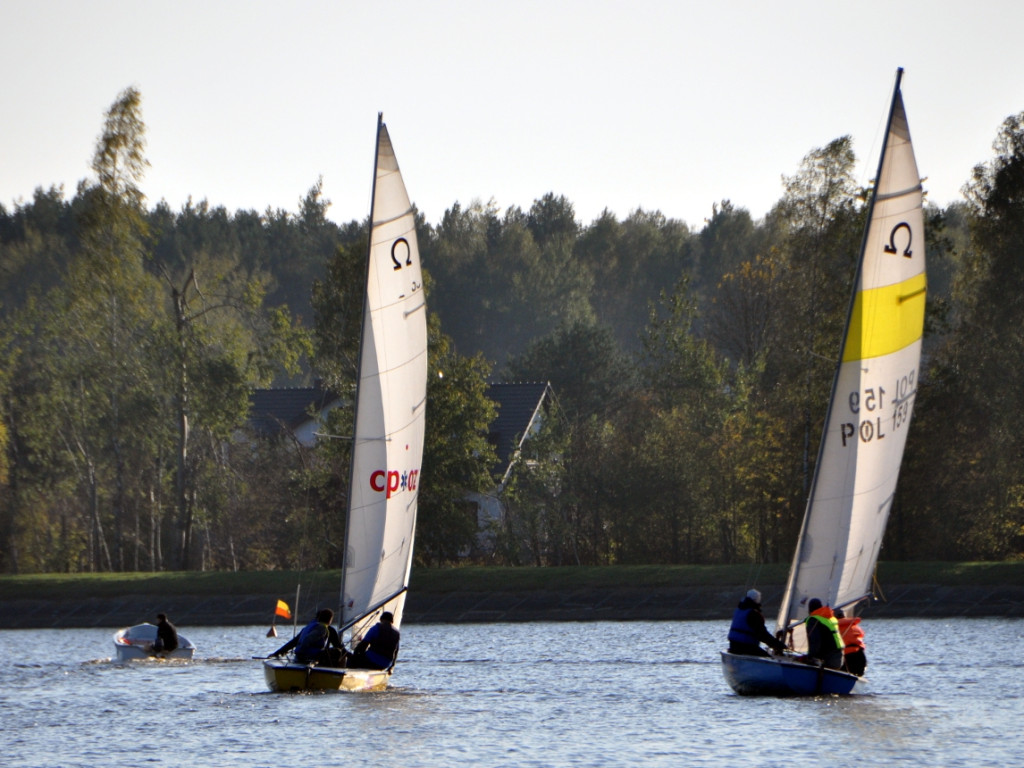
(285, 677)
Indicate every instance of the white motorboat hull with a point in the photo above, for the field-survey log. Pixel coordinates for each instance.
(136, 644)
(785, 676)
(287, 676)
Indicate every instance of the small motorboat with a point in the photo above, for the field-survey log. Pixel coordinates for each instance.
(136, 643)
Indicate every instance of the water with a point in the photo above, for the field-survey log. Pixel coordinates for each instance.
(944, 693)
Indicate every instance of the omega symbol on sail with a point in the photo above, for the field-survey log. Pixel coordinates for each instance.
(399, 248)
(892, 247)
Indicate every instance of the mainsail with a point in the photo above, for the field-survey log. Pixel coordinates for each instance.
(390, 406)
(872, 393)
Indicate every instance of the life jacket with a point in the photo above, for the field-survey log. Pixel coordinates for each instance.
(826, 617)
(852, 634)
(740, 631)
(312, 639)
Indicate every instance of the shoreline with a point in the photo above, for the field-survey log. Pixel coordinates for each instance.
(582, 604)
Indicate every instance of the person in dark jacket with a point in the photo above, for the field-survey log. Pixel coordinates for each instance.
(748, 630)
(317, 643)
(379, 647)
(166, 635)
(824, 643)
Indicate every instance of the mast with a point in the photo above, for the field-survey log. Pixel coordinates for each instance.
(783, 621)
(359, 369)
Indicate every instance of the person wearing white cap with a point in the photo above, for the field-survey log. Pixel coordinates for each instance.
(748, 631)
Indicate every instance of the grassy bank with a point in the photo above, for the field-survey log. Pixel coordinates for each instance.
(480, 579)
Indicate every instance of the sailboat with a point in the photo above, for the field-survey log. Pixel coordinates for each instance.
(387, 448)
(865, 432)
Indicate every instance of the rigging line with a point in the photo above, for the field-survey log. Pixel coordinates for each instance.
(350, 437)
(852, 601)
(906, 397)
(876, 586)
(901, 192)
(909, 296)
(373, 610)
(380, 222)
(757, 575)
(827, 359)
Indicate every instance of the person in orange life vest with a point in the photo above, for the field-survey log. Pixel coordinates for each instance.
(823, 639)
(748, 631)
(853, 642)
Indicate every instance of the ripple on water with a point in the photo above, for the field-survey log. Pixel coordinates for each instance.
(648, 694)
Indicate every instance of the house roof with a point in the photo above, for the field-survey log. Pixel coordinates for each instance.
(518, 405)
(274, 410)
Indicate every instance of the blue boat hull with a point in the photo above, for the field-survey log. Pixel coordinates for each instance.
(783, 676)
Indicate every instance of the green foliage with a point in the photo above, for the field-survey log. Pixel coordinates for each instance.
(338, 312)
(689, 369)
(668, 445)
(97, 328)
(457, 458)
(753, 487)
(818, 228)
(967, 474)
(117, 378)
(729, 239)
(5, 385)
(583, 363)
(530, 274)
(680, 369)
(541, 521)
(745, 321)
(35, 242)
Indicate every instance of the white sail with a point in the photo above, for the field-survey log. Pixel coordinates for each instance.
(390, 405)
(872, 395)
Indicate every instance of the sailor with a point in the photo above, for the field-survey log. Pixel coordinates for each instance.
(166, 635)
(853, 642)
(748, 631)
(379, 647)
(317, 643)
(823, 639)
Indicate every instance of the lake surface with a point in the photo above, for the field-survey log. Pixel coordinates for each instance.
(944, 693)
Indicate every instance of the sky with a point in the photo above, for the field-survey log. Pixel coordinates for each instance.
(665, 105)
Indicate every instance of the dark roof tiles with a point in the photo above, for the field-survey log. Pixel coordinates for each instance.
(517, 404)
(271, 410)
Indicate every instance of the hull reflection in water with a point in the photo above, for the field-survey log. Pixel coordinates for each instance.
(285, 677)
(779, 676)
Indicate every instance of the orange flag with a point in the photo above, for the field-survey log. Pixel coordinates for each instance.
(283, 610)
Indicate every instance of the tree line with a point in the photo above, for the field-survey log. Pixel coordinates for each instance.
(690, 368)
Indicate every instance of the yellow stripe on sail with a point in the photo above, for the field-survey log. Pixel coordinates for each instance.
(886, 319)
